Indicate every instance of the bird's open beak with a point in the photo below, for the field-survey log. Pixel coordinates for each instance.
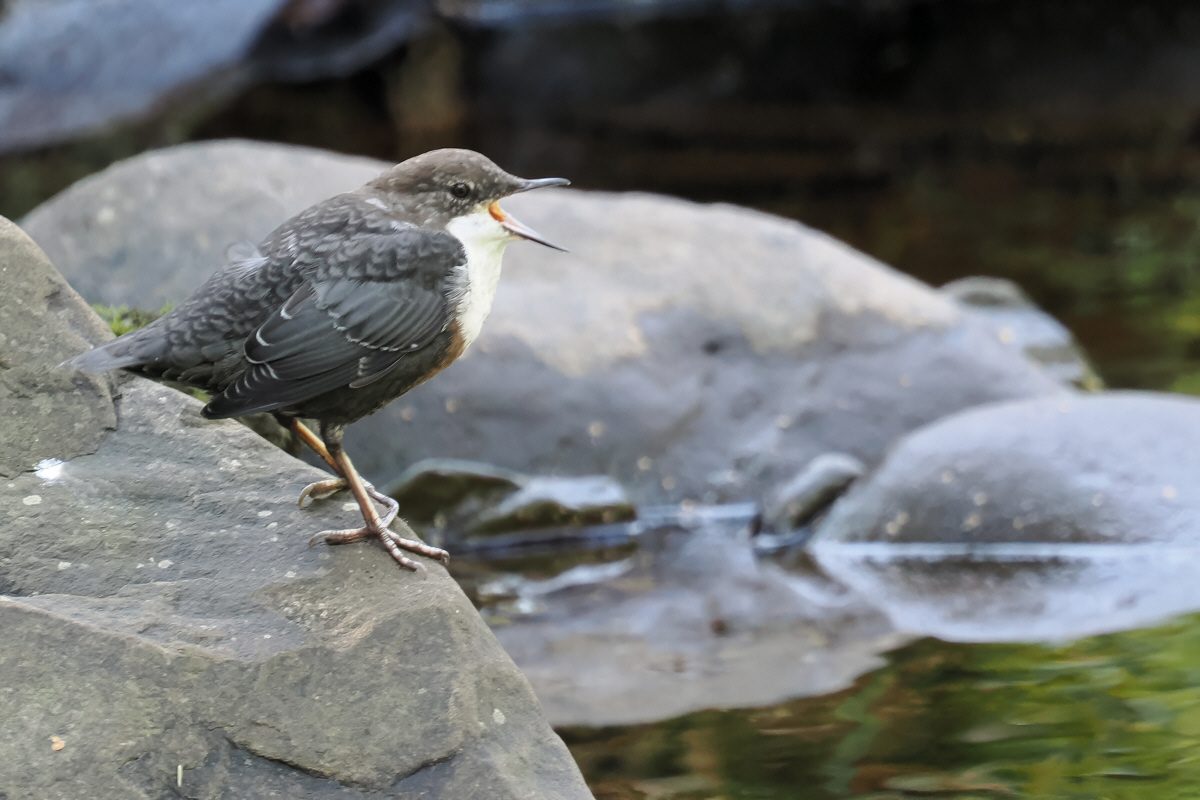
(517, 228)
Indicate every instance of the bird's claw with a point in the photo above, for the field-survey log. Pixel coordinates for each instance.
(392, 541)
(321, 490)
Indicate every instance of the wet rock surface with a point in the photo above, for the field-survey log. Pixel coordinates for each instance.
(164, 617)
(460, 498)
(1052, 518)
(688, 351)
(816, 486)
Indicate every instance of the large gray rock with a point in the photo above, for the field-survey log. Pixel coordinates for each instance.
(125, 56)
(163, 616)
(702, 352)
(74, 68)
(147, 231)
(1020, 324)
(1052, 518)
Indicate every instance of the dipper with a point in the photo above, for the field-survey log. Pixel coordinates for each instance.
(342, 309)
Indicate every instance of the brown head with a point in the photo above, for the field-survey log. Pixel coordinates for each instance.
(434, 188)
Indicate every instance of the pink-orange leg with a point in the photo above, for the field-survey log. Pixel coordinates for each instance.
(364, 492)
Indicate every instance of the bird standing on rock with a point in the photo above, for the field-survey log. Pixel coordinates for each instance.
(342, 309)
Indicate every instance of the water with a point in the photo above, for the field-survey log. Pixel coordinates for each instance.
(1114, 716)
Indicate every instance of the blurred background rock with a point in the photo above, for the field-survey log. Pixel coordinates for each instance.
(1054, 143)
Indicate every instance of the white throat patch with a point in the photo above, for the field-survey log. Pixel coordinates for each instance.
(484, 240)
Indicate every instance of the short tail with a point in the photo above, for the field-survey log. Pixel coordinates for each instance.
(126, 351)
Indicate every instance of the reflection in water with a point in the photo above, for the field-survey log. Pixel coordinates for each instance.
(1114, 716)
(1017, 591)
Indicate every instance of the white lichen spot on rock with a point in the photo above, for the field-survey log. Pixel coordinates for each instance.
(264, 513)
(349, 506)
(32, 500)
(166, 562)
(498, 716)
(64, 565)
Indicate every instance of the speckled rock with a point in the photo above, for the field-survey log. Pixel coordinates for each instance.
(45, 412)
(164, 618)
(1053, 518)
(689, 351)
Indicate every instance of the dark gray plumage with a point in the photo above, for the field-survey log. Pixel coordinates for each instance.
(341, 309)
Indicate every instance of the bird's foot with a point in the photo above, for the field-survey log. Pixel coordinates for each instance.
(392, 541)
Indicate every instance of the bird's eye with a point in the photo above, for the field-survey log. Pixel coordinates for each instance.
(460, 190)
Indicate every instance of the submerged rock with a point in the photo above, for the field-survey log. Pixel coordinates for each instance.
(543, 502)
(168, 630)
(691, 620)
(691, 352)
(461, 498)
(1053, 518)
(813, 489)
(446, 485)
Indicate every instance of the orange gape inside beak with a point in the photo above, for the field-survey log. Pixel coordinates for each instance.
(517, 229)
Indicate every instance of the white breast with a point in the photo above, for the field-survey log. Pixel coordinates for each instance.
(484, 240)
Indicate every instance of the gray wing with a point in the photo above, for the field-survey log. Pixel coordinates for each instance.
(331, 334)
(202, 341)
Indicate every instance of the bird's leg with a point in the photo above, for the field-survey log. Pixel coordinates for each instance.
(320, 489)
(375, 527)
(323, 489)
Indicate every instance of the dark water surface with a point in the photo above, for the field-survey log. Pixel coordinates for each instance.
(1114, 717)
